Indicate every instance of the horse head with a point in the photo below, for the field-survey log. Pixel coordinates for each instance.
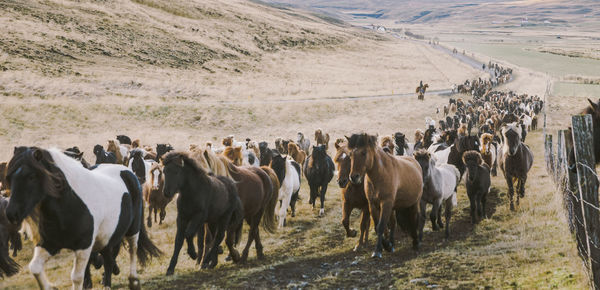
(362, 154)
(512, 138)
(424, 158)
(343, 163)
(31, 176)
(472, 160)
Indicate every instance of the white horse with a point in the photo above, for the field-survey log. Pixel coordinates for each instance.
(288, 172)
(96, 210)
(439, 188)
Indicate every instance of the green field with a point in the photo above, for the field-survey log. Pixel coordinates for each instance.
(516, 53)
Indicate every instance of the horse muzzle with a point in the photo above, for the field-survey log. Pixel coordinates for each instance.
(343, 182)
(356, 179)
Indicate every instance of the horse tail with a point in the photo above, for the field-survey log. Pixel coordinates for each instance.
(145, 248)
(269, 221)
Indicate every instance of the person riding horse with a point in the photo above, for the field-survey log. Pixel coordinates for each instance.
(421, 90)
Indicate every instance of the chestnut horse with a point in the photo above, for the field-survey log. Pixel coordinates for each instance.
(391, 183)
(353, 196)
(296, 153)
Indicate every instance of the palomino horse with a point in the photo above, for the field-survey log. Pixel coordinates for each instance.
(318, 170)
(203, 199)
(353, 196)
(296, 153)
(515, 161)
(391, 183)
(489, 151)
(439, 189)
(106, 202)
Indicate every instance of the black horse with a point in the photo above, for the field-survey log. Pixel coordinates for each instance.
(462, 145)
(9, 232)
(318, 170)
(266, 154)
(400, 140)
(162, 149)
(103, 156)
(203, 199)
(76, 154)
(123, 139)
(477, 183)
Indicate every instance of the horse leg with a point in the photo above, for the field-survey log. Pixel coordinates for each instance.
(323, 191)
(386, 209)
(522, 187)
(179, 237)
(107, 254)
(346, 211)
(472, 205)
(389, 245)
(283, 209)
(87, 277)
(230, 243)
(364, 229)
(213, 255)
(439, 217)
(258, 245)
(252, 222)
(448, 215)
(134, 281)
(422, 218)
(201, 240)
(155, 212)
(511, 191)
(435, 209)
(149, 218)
(292, 203)
(411, 217)
(163, 214)
(36, 267)
(483, 201)
(81, 262)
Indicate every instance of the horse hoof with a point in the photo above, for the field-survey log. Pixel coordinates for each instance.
(134, 283)
(376, 255)
(352, 234)
(512, 207)
(228, 258)
(356, 248)
(321, 212)
(170, 272)
(192, 254)
(220, 250)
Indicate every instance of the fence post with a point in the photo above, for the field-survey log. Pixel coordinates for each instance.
(588, 191)
(560, 158)
(549, 156)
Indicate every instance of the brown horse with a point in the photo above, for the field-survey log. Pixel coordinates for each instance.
(234, 154)
(322, 138)
(387, 143)
(153, 195)
(421, 91)
(515, 161)
(255, 189)
(296, 153)
(113, 146)
(353, 196)
(488, 151)
(391, 183)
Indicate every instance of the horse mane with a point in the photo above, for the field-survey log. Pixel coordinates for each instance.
(341, 150)
(183, 158)
(422, 154)
(362, 140)
(484, 139)
(227, 141)
(472, 156)
(512, 126)
(418, 135)
(53, 179)
(135, 143)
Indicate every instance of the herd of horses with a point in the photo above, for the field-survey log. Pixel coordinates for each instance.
(61, 201)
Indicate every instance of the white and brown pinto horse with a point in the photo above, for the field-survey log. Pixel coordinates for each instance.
(86, 211)
(515, 161)
(392, 183)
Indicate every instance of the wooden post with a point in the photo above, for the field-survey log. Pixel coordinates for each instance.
(588, 188)
(549, 156)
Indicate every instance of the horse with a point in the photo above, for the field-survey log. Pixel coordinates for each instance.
(322, 138)
(401, 145)
(162, 149)
(421, 91)
(139, 166)
(255, 189)
(391, 183)
(439, 189)
(353, 196)
(387, 143)
(280, 146)
(288, 174)
(303, 143)
(266, 154)
(296, 153)
(515, 161)
(123, 139)
(234, 154)
(477, 183)
(488, 151)
(462, 145)
(9, 233)
(103, 156)
(96, 210)
(203, 199)
(76, 154)
(114, 147)
(3, 175)
(318, 170)
(153, 195)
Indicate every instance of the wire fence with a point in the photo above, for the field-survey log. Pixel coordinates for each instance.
(572, 167)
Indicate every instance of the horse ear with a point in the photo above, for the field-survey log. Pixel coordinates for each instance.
(37, 154)
(594, 105)
(80, 155)
(347, 138)
(337, 146)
